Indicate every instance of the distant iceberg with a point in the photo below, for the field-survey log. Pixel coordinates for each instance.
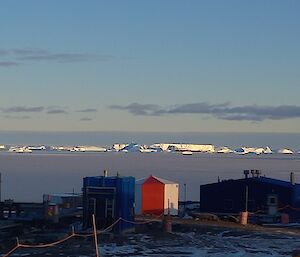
(21, 149)
(187, 153)
(184, 147)
(37, 148)
(90, 148)
(253, 150)
(118, 147)
(268, 150)
(133, 147)
(224, 149)
(285, 151)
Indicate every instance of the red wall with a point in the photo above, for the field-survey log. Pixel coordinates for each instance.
(152, 197)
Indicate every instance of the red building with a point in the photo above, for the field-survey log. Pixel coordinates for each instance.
(156, 196)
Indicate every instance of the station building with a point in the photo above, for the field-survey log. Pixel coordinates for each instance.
(108, 198)
(253, 193)
(156, 196)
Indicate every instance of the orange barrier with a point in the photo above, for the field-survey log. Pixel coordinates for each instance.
(73, 234)
(244, 218)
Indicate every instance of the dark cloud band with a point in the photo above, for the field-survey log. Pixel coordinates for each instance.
(18, 109)
(89, 110)
(86, 119)
(220, 111)
(13, 57)
(57, 111)
(8, 63)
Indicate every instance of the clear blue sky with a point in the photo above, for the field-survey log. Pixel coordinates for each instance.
(150, 65)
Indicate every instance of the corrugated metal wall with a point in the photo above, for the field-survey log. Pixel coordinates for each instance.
(152, 197)
(171, 197)
(111, 196)
(138, 199)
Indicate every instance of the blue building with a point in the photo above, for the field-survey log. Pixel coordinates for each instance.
(109, 198)
(264, 195)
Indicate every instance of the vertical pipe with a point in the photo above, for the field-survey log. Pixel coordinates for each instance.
(95, 236)
(184, 198)
(292, 178)
(246, 200)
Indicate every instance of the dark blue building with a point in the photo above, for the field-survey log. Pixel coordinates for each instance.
(109, 198)
(265, 195)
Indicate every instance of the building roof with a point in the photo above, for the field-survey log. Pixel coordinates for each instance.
(275, 181)
(140, 181)
(263, 179)
(164, 181)
(63, 195)
(161, 180)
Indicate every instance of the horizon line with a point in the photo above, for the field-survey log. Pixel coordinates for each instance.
(145, 132)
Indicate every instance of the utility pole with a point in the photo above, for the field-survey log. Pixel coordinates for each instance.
(95, 236)
(0, 188)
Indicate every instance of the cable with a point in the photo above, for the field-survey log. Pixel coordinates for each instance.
(18, 245)
(47, 245)
(11, 251)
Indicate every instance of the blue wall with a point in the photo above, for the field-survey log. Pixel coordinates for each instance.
(229, 196)
(118, 189)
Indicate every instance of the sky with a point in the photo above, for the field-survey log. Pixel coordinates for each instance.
(150, 66)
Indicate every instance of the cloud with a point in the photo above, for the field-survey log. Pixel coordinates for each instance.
(58, 57)
(57, 111)
(86, 119)
(140, 109)
(222, 111)
(18, 109)
(88, 110)
(8, 63)
(36, 109)
(25, 117)
(13, 57)
(4, 52)
(27, 51)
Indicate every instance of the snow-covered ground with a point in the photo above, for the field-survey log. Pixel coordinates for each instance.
(210, 243)
(204, 243)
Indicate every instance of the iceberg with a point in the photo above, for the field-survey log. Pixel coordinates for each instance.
(224, 149)
(253, 150)
(118, 147)
(185, 147)
(285, 151)
(90, 148)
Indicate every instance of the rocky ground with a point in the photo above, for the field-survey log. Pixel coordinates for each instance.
(188, 239)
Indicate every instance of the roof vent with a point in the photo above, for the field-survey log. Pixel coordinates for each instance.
(292, 178)
(105, 172)
(246, 173)
(258, 173)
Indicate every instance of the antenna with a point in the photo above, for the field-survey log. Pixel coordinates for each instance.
(246, 173)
